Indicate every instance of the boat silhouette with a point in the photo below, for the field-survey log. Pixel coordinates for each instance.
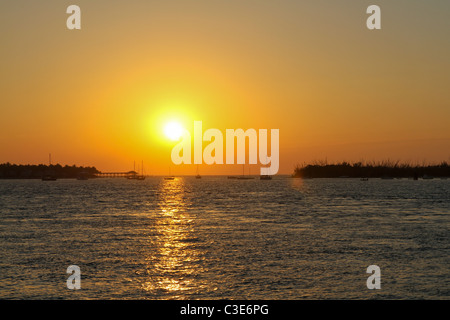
(141, 176)
(169, 177)
(50, 175)
(198, 176)
(83, 175)
(244, 177)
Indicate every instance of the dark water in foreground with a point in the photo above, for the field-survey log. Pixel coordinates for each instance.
(216, 238)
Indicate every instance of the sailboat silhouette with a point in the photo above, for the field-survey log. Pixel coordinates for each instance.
(50, 175)
(198, 176)
(265, 176)
(169, 177)
(244, 177)
(141, 176)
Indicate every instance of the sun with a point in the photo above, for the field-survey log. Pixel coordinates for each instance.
(173, 130)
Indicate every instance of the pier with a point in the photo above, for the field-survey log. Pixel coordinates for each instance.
(116, 174)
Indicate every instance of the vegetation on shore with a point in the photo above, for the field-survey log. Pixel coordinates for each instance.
(315, 170)
(15, 171)
(371, 170)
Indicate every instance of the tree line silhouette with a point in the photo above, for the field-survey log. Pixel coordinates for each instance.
(371, 170)
(15, 171)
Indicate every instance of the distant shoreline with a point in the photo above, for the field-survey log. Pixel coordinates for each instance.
(378, 170)
(321, 170)
(19, 171)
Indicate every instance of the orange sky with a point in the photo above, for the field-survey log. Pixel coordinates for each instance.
(101, 95)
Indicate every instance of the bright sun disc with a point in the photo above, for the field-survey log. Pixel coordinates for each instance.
(173, 130)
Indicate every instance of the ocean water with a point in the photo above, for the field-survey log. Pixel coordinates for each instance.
(215, 238)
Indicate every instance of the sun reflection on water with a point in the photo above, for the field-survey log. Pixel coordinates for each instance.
(176, 262)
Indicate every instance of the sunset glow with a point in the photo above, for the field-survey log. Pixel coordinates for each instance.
(333, 88)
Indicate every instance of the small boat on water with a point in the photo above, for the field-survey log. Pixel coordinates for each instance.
(231, 177)
(364, 179)
(427, 177)
(141, 176)
(198, 176)
(82, 175)
(265, 176)
(49, 178)
(244, 177)
(49, 175)
(169, 177)
(132, 175)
